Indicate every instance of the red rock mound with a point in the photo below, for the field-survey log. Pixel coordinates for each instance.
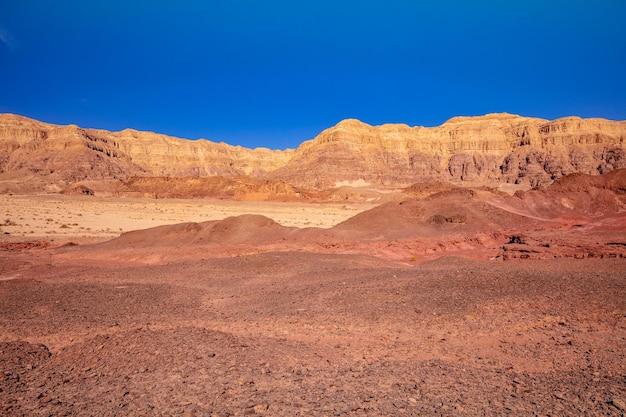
(614, 181)
(577, 197)
(424, 189)
(455, 220)
(247, 229)
(457, 210)
(579, 216)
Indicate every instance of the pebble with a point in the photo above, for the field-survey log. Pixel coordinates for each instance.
(618, 403)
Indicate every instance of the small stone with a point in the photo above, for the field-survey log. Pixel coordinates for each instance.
(619, 404)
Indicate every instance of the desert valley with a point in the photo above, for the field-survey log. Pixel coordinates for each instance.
(474, 268)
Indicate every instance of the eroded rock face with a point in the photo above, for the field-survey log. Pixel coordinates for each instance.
(168, 156)
(62, 155)
(489, 149)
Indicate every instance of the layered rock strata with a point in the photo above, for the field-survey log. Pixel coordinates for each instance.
(489, 149)
(496, 148)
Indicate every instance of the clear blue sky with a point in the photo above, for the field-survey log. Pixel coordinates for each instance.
(276, 73)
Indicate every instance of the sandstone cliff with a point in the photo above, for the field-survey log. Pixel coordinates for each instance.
(492, 149)
(489, 149)
(163, 155)
(52, 156)
(57, 156)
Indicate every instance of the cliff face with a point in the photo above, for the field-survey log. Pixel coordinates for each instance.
(492, 148)
(167, 156)
(489, 149)
(59, 154)
(67, 154)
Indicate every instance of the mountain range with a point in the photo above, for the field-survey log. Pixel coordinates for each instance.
(489, 150)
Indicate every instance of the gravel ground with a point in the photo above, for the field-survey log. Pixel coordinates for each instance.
(311, 334)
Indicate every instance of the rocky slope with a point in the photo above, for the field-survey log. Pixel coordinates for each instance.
(490, 149)
(52, 157)
(496, 148)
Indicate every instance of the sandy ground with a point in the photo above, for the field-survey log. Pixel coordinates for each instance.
(312, 326)
(296, 334)
(61, 218)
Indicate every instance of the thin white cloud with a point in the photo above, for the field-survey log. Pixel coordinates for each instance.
(7, 39)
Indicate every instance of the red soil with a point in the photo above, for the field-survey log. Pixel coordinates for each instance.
(372, 317)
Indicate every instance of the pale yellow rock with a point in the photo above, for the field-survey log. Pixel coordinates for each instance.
(494, 149)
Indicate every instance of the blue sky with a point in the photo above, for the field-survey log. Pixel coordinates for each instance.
(276, 73)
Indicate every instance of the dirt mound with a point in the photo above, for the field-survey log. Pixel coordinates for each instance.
(452, 221)
(576, 197)
(424, 189)
(441, 213)
(245, 229)
(549, 222)
(614, 181)
(248, 229)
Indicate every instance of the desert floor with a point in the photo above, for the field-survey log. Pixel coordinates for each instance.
(60, 218)
(294, 333)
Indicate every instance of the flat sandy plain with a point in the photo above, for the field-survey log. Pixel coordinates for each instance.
(61, 219)
(293, 333)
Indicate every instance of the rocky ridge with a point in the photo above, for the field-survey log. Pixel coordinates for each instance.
(495, 148)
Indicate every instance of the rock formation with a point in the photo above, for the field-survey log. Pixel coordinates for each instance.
(496, 148)
(489, 149)
(240, 188)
